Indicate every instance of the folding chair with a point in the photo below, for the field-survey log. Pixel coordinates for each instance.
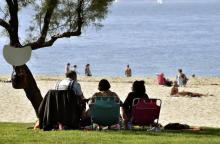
(105, 111)
(146, 112)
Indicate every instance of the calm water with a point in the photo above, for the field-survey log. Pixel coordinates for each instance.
(150, 37)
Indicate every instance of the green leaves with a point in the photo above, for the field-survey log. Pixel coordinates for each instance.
(53, 18)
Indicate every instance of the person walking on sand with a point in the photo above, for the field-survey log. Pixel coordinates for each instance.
(87, 70)
(128, 71)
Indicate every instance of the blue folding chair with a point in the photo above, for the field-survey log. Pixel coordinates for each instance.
(105, 111)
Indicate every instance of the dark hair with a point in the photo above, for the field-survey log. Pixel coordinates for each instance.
(104, 85)
(71, 74)
(180, 70)
(138, 87)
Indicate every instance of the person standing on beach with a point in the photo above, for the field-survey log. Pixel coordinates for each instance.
(75, 69)
(67, 68)
(181, 78)
(87, 70)
(128, 71)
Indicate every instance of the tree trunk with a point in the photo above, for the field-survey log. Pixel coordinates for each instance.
(28, 83)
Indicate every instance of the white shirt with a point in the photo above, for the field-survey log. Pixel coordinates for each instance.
(64, 84)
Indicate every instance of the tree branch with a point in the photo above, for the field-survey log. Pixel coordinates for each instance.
(13, 23)
(42, 43)
(47, 18)
(5, 25)
(9, 2)
(37, 45)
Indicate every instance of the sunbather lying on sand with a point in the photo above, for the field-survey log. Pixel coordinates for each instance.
(175, 92)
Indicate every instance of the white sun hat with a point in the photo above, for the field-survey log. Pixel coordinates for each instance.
(17, 56)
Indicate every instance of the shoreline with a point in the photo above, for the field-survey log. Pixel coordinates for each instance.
(198, 80)
(204, 111)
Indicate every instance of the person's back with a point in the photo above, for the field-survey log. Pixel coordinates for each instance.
(138, 91)
(104, 90)
(71, 83)
(66, 102)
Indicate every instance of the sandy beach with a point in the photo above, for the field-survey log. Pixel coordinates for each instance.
(204, 111)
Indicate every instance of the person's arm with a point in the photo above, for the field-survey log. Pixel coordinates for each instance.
(78, 92)
(118, 99)
(126, 107)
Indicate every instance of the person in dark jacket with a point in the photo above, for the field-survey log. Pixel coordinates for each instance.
(138, 91)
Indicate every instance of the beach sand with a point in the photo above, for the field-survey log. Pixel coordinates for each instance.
(204, 111)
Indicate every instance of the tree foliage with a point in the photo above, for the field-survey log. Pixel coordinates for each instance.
(52, 19)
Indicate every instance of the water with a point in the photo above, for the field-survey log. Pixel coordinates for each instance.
(148, 36)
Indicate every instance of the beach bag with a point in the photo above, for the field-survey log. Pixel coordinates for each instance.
(176, 126)
(19, 80)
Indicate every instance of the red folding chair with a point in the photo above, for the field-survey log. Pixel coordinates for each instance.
(146, 112)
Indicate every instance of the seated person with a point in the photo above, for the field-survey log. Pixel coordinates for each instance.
(104, 90)
(63, 107)
(163, 81)
(71, 83)
(138, 91)
(175, 92)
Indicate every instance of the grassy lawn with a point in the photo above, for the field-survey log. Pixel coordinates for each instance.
(15, 133)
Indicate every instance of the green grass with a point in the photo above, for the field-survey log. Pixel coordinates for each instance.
(15, 133)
